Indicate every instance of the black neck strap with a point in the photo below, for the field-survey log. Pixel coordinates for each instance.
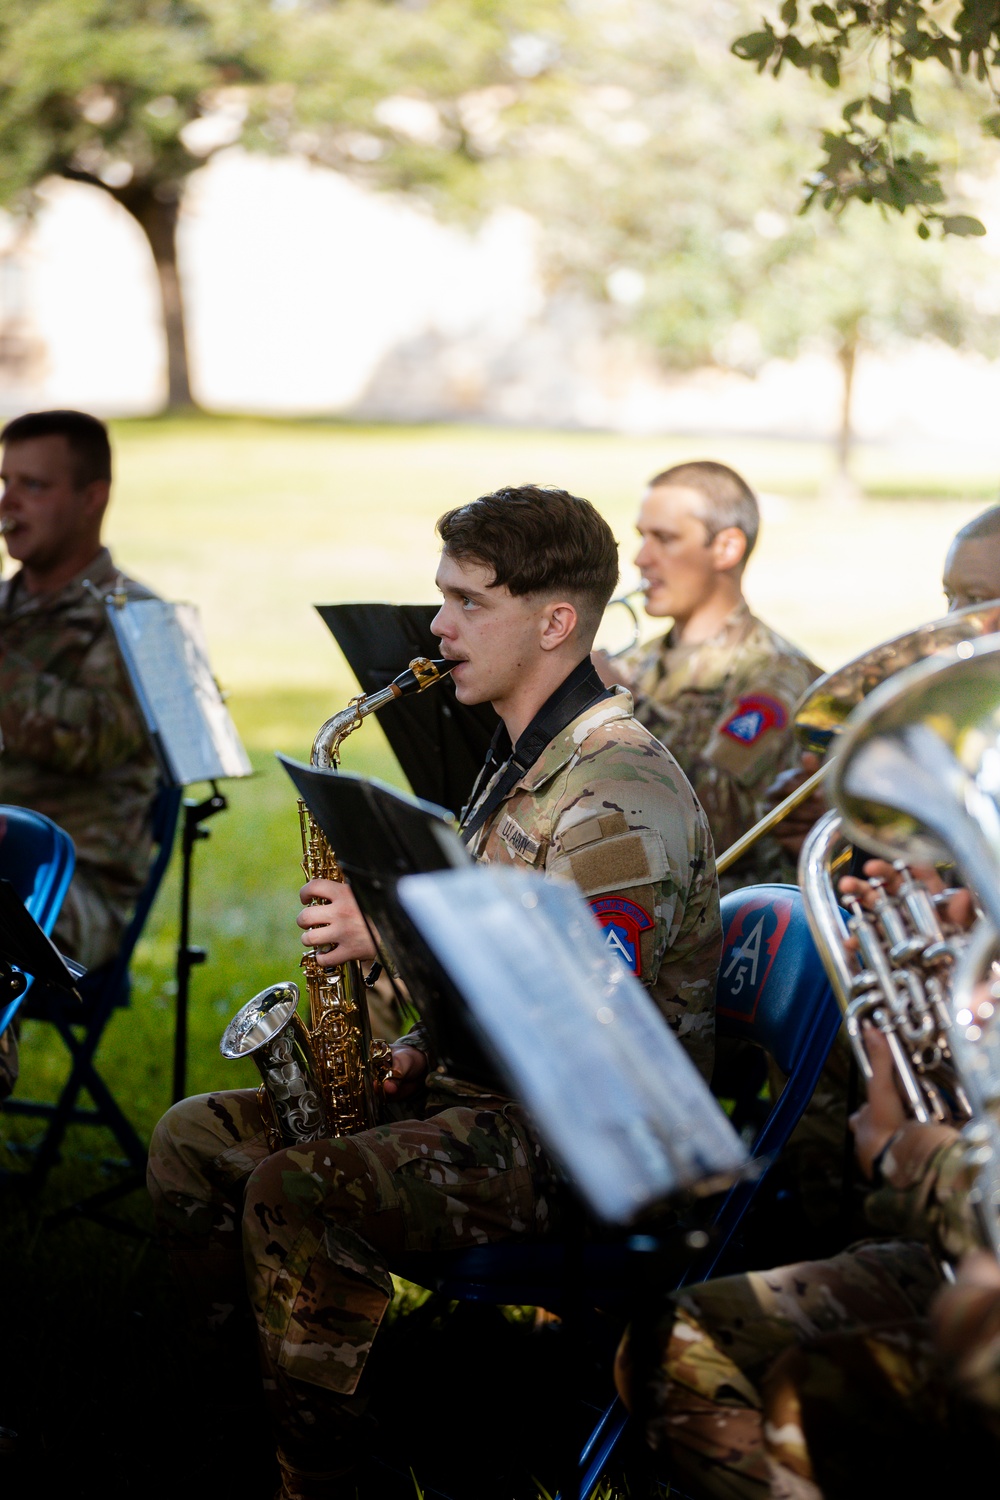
(581, 690)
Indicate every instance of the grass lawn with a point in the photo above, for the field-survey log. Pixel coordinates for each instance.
(255, 521)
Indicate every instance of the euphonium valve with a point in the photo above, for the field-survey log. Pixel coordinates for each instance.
(915, 779)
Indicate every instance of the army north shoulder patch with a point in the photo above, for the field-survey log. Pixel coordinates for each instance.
(753, 717)
(623, 922)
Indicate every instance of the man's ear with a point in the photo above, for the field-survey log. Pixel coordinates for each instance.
(729, 549)
(559, 621)
(96, 495)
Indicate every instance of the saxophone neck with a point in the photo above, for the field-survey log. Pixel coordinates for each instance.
(421, 673)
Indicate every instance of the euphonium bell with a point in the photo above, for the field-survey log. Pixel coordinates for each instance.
(826, 705)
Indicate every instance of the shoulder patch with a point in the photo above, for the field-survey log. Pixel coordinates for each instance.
(623, 922)
(752, 717)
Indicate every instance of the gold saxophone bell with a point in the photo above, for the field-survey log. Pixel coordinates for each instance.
(327, 1079)
(826, 705)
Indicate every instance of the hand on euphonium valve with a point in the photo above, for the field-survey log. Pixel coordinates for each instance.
(959, 908)
(335, 927)
(883, 1114)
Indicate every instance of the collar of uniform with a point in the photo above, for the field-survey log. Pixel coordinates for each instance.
(100, 571)
(560, 751)
(734, 627)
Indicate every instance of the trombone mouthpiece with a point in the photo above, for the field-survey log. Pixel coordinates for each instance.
(6, 525)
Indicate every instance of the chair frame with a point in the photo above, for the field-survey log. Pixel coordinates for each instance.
(104, 990)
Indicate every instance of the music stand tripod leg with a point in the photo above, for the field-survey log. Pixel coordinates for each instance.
(195, 813)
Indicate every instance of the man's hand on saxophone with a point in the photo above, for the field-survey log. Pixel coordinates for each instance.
(332, 924)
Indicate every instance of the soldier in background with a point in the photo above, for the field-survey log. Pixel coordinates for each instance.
(719, 688)
(573, 787)
(74, 744)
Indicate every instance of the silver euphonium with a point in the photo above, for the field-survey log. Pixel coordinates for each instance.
(915, 779)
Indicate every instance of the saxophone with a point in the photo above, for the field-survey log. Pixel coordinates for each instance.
(324, 1080)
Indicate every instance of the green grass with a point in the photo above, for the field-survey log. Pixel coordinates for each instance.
(255, 521)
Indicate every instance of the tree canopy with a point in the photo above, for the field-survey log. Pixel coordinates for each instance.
(132, 96)
(888, 55)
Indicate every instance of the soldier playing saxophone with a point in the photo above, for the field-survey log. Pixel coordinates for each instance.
(575, 787)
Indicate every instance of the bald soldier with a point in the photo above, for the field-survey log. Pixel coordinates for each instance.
(75, 747)
(304, 1239)
(719, 688)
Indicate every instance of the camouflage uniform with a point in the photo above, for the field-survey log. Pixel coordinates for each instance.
(800, 1381)
(75, 748)
(723, 708)
(315, 1229)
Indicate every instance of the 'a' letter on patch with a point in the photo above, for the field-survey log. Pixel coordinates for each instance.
(753, 717)
(623, 922)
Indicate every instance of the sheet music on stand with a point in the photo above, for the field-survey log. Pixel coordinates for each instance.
(163, 647)
(193, 738)
(613, 1094)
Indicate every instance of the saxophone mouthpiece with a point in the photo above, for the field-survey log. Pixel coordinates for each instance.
(422, 673)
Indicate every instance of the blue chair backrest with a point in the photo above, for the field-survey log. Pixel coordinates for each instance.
(771, 983)
(772, 990)
(37, 857)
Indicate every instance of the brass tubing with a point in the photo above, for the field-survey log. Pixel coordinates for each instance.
(771, 820)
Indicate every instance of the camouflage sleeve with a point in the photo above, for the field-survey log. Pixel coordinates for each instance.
(925, 1191)
(635, 843)
(80, 727)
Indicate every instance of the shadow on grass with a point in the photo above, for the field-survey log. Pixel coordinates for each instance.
(114, 1397)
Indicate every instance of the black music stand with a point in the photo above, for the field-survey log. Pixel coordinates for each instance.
(440, 743)
(381, 835)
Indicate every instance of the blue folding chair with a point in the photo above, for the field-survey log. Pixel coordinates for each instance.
(37, 857)
(103, 990)
(773, 991)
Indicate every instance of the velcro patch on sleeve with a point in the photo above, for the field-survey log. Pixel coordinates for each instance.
(518, 842)
(623, 923)
(753, 717)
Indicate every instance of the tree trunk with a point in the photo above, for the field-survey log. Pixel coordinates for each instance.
(847, 355)
(157, 211)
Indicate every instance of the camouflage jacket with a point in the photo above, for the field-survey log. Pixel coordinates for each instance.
(925, 1191)
(723, 708)
(75, 747)
(606, 806)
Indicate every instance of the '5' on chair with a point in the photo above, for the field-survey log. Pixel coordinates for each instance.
(80, 1027)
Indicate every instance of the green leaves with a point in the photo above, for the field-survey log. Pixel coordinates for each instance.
(875, 157)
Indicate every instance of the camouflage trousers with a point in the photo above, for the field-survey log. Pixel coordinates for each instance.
(305, 1237)
(89, 930)
(735, 1363)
